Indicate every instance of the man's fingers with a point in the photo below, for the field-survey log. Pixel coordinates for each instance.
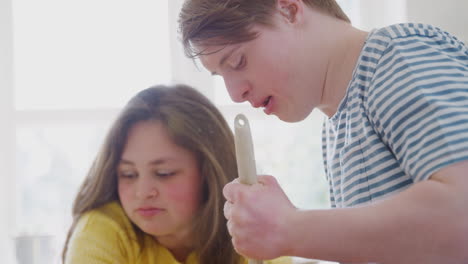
(227, 210)
(231, 190)
(267, 180)
(229, 228)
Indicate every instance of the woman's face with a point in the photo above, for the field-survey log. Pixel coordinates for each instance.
(159, 183)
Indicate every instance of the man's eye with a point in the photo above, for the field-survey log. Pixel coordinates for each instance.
(241, 63)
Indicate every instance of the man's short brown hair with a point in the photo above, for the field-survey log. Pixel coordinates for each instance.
(223, 22)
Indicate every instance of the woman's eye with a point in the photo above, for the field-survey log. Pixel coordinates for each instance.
(127, 175)
(164, 174)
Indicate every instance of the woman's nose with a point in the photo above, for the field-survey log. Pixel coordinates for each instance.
(146, 188)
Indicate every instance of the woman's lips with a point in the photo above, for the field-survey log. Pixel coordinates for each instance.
(149, 211)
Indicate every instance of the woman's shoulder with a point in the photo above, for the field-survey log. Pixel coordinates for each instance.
(106, 218)
(109, 211)
(104, 234)
(280, 260)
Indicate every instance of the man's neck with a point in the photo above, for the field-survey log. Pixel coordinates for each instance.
(344, 56)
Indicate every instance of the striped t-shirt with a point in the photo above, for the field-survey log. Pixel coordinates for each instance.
(404, 117)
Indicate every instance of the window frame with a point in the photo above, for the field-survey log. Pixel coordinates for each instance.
(7, 132)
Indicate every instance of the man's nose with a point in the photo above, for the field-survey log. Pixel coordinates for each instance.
(238, 90)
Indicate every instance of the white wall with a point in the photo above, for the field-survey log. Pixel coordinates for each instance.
(184, 69)
(450, 15)
(372, 14)
(7, 161)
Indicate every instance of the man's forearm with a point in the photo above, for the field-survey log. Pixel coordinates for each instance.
(426, 223)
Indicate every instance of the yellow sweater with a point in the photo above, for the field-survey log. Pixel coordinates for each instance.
(106, 236)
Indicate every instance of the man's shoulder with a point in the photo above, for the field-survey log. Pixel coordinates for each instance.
(404, 30)
(404, 34)
(411, 42)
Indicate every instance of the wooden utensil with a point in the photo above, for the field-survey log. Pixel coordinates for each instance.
(245, 156)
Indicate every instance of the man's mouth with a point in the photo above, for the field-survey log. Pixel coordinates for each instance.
(267, 101)
(268, 105)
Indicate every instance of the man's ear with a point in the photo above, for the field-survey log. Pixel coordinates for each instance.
(291, 10)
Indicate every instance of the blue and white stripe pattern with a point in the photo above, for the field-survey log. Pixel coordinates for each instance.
(404, 117)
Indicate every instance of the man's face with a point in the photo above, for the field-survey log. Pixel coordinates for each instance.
(270, 71)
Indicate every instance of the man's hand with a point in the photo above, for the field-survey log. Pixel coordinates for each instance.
(258, 218)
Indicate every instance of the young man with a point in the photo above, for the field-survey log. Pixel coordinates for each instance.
(395, 141)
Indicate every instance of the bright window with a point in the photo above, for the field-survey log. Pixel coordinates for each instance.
(75, 64)
(88, 54)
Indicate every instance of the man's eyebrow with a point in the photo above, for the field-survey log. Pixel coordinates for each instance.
(224, 58)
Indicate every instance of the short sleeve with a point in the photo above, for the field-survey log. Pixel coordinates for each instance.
(418, 101)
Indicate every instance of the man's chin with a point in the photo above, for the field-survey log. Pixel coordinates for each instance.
(290, 118)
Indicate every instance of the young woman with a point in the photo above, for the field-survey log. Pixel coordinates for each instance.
(154, 192)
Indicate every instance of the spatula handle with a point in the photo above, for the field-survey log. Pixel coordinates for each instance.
(245, 156)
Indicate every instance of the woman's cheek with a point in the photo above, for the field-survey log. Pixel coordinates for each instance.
(187, 197)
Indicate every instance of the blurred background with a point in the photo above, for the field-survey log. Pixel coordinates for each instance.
(66, 68)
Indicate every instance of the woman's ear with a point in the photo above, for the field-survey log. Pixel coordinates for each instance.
(291, 10)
